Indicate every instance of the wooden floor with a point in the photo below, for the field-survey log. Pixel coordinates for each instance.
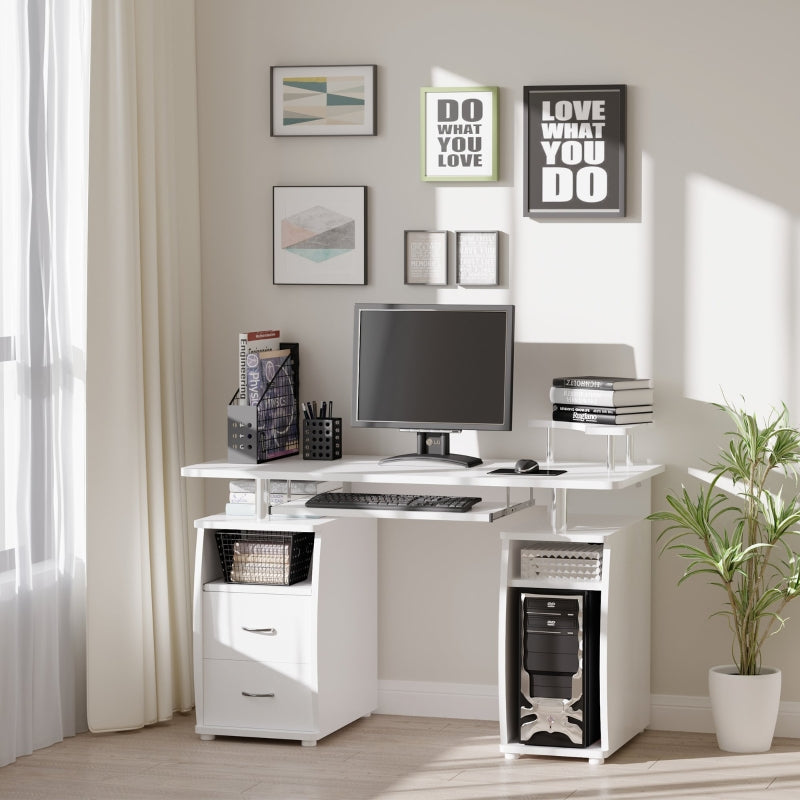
(391, 758)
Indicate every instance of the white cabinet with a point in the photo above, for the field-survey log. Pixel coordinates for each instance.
(287, 662)
(624, 636)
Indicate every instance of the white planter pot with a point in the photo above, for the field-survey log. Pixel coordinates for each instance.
(745, 708)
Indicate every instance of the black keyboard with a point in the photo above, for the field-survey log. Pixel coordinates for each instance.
(392, 502)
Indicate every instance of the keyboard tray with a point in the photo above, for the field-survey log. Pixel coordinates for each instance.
(392, 502)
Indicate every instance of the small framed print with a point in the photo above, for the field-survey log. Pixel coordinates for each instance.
(319, 235)
(323, 101)
(477, 262)
(574, 145)
(459, 133)
(426, 257)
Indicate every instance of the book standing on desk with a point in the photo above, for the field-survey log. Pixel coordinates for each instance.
(253, 342)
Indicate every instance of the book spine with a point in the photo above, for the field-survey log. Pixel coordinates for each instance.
(584, 383)
(254, 379)
(614, 411)
(242, 369)
(601, 382)
(607, 398)
(253, 342)
(240, 509)
(585, 397)
(241, 497)
(588, 416)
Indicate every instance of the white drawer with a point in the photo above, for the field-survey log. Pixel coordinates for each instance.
(286, 701)
(257, 627)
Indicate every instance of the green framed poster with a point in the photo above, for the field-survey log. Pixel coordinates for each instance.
(458, 129)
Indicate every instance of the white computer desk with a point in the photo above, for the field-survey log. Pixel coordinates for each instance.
(523, 509)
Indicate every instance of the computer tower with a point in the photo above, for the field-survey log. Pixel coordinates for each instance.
(559, 668)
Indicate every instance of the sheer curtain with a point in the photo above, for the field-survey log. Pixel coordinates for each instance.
(44, 83)
(143, 377)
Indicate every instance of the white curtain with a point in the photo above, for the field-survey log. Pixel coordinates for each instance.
(44, 83)
(144, 411)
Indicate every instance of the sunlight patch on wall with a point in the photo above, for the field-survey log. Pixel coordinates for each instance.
(738, 296)
(463, 207)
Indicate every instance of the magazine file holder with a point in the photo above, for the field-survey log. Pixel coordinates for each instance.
(259, 433)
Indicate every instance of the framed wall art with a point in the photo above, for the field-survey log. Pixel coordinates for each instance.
(426, 257)
(319, 235)
(477, 262)
(459, 133)
(574, 151)
(323, 101)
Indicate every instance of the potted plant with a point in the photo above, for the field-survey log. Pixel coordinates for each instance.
(738, 533)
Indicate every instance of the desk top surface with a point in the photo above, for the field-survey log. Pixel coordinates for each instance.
(366, 469)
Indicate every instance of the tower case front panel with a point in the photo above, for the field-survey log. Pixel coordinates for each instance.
(559, 668)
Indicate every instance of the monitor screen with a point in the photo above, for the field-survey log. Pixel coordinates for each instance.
(433, 367)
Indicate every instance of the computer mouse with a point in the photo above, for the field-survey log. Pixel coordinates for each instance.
(525, 466)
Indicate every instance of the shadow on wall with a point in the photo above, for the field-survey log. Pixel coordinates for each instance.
(536, 364)
(685, 433)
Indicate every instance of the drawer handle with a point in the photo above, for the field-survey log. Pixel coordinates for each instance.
(265, 631)
(258, 694)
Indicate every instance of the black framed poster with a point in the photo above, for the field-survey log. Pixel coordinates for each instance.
(574, 151)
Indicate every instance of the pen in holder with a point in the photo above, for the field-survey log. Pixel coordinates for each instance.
(322, 438)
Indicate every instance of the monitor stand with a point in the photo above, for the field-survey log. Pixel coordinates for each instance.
(434, 446)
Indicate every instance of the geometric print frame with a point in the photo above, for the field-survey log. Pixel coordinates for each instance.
(319, 235)
(323, 101)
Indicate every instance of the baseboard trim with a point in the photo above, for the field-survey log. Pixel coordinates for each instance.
(693, 714)
(670, 712)
(478, 701)
(448, 700)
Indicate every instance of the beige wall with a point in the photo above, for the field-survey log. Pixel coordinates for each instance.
(707, 253)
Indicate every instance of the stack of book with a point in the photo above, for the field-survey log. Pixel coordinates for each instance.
(242, 494)
(602, 400)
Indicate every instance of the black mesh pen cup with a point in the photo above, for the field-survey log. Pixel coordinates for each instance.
(322, 439)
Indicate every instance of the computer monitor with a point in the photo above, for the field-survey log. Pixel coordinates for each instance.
(434, 370)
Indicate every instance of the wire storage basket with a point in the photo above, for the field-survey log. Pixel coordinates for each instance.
(275, 558)
(562, 561)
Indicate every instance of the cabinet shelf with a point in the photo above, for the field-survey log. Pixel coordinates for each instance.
(549, 583)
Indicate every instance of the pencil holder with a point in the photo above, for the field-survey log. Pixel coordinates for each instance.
(322, 439)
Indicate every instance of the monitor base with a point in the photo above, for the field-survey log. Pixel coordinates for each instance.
(435, 446)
